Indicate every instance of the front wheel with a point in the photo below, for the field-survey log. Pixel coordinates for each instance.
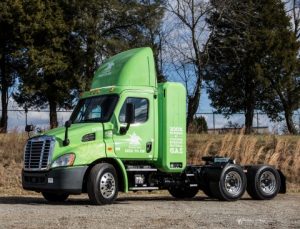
(54, 197)
(183, 192)
(102, 185)
(231, 185)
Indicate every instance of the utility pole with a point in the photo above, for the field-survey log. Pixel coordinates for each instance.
(257, 122)
(214, 122)
(299, 123)
(26, 113)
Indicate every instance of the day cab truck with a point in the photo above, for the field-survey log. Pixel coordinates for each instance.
(128, 133)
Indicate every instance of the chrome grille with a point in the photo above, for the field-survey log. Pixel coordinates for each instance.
(38, 152)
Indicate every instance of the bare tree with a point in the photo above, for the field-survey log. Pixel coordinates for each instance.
(188, 46)
(293, 10)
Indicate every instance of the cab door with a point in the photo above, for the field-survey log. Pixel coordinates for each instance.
(138, 142)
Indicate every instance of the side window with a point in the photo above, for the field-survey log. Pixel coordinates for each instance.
(141, 106)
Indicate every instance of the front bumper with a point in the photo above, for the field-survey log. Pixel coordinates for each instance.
(66, 179)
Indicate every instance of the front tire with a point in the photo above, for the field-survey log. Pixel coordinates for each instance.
(183, 192)
(102, 185)
(54, 197)
(263, 182)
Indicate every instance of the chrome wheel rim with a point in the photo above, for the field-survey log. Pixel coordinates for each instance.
(107, 185)
(233, 183)
(267, 183)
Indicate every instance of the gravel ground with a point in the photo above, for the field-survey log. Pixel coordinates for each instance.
(150, 211)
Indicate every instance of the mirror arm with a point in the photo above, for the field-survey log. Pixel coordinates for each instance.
(123, 130)
(66, 141)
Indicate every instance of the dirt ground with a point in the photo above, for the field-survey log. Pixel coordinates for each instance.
(150, 211)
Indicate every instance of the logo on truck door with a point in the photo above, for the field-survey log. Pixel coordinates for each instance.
(134, 140)
(134, 144)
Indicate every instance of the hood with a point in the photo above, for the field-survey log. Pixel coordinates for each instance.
(86, 151)
(75, 132)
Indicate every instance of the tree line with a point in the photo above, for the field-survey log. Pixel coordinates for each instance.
(245, 53)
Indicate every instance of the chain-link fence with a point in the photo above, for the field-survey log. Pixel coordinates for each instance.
(38, 118)
(217, 123)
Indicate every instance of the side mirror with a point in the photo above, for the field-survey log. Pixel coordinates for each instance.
(29, 128)
(129, 115)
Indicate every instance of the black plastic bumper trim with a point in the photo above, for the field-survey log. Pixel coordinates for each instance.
(66, 179)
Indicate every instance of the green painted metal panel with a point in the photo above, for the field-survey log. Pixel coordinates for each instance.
(85, 152)
(124, 173)
(134, 67)
(133, 144)
(172, 127)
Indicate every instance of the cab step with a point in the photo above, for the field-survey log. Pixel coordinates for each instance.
(142, 188)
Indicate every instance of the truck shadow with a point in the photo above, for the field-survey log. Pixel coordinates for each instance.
(32, 200)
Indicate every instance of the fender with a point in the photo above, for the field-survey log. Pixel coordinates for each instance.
(120, 169)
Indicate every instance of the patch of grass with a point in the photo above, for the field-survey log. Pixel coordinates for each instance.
(11, 159)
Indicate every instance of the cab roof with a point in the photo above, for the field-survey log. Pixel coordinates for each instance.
(134, 67)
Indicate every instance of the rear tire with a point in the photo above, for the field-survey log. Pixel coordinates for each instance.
(54, 197)
(263, 182)
(183, 192)
(231, 185)
(102, 184)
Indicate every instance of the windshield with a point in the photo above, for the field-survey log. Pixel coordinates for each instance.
(94, 109)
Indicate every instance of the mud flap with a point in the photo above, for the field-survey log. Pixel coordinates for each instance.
(283, 182)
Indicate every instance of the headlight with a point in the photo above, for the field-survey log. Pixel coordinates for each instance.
(64, 160)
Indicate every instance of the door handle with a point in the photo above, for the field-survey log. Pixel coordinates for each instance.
(148, 147)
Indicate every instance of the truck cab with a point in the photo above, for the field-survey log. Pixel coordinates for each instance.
(127, 133)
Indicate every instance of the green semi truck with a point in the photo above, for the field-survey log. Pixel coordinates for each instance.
(128, 133)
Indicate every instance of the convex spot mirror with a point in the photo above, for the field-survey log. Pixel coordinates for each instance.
(68, 123)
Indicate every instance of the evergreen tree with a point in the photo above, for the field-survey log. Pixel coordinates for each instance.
(70, 39)
(48, 80)
(252, 48)
(11, 61)
(107, 27)
(281, 68)
(149, 32)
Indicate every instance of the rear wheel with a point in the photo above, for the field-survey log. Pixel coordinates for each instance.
(54, 197)
(102, 185)
(183, 192)
(231, 185)
(263, 182)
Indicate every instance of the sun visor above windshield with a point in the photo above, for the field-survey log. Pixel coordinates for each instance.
(134, 67)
